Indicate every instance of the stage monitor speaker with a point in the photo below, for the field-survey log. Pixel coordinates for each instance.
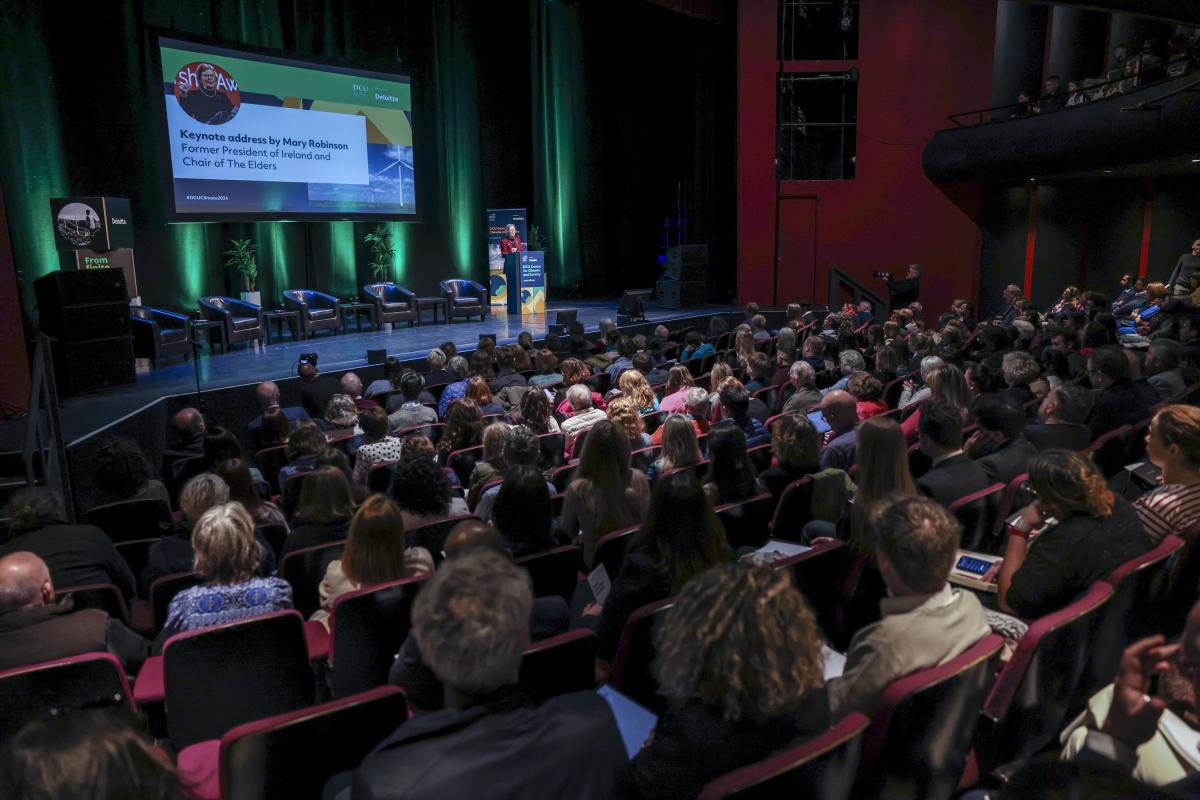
(78, 305)
(89, 366)
(633, 303)
(491, 336)
(376, 356)
(564, 318)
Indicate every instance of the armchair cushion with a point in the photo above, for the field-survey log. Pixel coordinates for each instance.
(244, 323)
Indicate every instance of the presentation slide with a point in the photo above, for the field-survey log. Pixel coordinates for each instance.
(257, 137)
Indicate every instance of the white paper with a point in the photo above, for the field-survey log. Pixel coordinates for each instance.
(833, 662)
(598, 580)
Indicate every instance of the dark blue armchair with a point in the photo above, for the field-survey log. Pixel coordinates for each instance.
(392, 303)
(240, 321)
(465, 299)
(318, 311)
(158, 333)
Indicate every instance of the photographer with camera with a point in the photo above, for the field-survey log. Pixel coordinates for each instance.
(317, 388)
(902, 293)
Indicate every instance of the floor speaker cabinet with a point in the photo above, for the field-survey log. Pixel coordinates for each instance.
(92, 365)
(679, 294)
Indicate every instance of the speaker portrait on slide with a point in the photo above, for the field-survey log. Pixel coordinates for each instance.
(207, 93)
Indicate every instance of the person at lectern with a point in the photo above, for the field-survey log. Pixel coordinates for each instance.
(511, 243)
(207, 104)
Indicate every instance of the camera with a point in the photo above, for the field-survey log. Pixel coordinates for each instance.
(887, 276)
(307, 358)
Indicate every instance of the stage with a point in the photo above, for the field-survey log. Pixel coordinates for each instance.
(250, 364)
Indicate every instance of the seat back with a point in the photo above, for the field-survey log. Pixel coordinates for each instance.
(71, 682)
(131, 519)
(1182, 585)
(823, 767)
(432, 535)
(793, 511)
(976, 512)
(562, 476)
(1015, 496)
(366, 630)
(553, 572)
(747, 523)
(1031, 700)
(104, 596)
(561, 664)
(918, 742)
(275, 534)
(294, 754)
(163, 591)
(553, 447)
(635, 653)
(610, 550)
(218, 678)
(463, 462)
(1107, 452)
(304, 569)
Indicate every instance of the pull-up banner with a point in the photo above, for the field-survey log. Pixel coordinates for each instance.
(498, 220)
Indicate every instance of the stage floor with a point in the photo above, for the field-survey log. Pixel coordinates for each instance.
(251, 364)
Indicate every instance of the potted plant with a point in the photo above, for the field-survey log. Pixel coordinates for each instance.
(240, 257)
(383, 252)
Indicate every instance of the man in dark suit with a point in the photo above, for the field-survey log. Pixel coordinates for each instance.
(471, 622)
(267, 395)
(1116, 401)
(953, 474)
(999, 445)
(1062, 413)
(317, 389)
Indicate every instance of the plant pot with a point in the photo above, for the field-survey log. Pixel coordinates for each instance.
(252, 297)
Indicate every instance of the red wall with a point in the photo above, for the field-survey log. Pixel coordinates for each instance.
(919, 61)
(14, 388)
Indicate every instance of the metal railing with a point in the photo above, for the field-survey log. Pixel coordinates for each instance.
(43, 428)
(845, 289)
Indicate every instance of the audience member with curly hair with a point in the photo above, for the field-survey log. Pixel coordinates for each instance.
(120, 472)
(422, 491)
(624, 411)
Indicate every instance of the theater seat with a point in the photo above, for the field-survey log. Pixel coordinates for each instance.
(631, 673)
(158, 333)
(366, 629)
(65, 682)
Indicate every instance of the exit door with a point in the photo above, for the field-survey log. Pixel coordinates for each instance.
(796, 251)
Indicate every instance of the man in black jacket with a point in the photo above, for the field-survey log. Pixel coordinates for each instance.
(953, 474)
(904, 293)
(999, 445)
(317, 390)
(1116, 401)
(471, 622)
(1062, 413)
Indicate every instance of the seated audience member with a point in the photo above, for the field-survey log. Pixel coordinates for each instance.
(813, 352)
(393, 370)
(276, 428)
(679, 380)
(694, 346)
(316, 389)
(305, 443)
(547, 370)
(120, 472)
(583, 415)
(455, 390)
(411, 412)
(802, 379)
(696, 408)
(945, 382)
(221, 445)
(925, 621)
(952, 474)
(87, 752)
(643, 362)
(576, 372)
(868, 391)
(1062, 414)
(34, 627)
(374, 554)
(680, 447)
(506, 373)
(758, 372)
(624, 360)
(525, 341)
(188, 429)
(731, 474)
(840, 410)
(634, 386)
(523, 512)
(464, 429)
(377, 447)
(999, 445)
(173, 553)
(720, 371)
(680, 538)
(478, 391)
(623, 411)
(352, 386)
(422, 491)
(1096, 532)
(479, 364)
(76, 555)
(242, 489)
(521, 449)
(758, 327)
(785, 356)
(325, 510)
(1163, 368)
(1172, 445)
(227, 555)
(471, 623)
(740, 684)
(534, 413)
(913, 393)
(1116, 401)
(341, 421)
(1019, 369)
(605, 494)
(796, 451)
(849, 362)
(490, 467)
(439, 372)
(735, 411)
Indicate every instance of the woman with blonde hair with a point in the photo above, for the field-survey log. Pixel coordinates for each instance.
(743, 344)
(606, 494)
(738, 658)
(945, 383)
(680, 448)
(491, 465)
(679, 380)
(374, 554)
(633, 385)
(1095, 531)
(1173, 445)
(226, 558)
(624, 411)
(720, 372)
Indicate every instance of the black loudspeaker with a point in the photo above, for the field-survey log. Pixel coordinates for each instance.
(87, 313)
(81, 367)
(376, 356)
